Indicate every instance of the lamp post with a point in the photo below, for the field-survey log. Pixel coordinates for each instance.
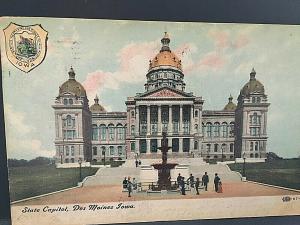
(244, 164)
(61, 158)
(80, 162)
(103, 154)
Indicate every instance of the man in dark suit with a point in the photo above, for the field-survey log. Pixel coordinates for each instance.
(197, 185)
(179, 179)
(205, 180)
(216, 182)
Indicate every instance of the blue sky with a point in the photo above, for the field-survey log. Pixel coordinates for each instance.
(111, 59)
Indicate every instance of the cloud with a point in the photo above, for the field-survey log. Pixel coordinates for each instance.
(19, 142)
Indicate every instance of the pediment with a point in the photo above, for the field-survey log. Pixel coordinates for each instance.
(166, 93)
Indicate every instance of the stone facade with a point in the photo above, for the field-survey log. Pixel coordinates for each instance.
(232, 132)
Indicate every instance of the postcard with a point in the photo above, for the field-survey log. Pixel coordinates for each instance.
(111, 121)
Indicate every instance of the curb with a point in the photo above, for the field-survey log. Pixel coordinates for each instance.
(43, 195)
(274, 186)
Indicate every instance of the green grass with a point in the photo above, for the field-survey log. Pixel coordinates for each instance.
(28, 181)
(284, 173)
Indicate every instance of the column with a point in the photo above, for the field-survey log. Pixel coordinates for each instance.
(159, 119)
(192, 124)
(180, 120)
(180, 145)
(137, 146)
(137, 121)
(170, 120)
(148, 120)
(148, 146)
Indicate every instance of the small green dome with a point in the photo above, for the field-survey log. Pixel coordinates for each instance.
(230, 105)
(97, 108)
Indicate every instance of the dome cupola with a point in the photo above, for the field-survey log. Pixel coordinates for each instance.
(72, 86)
(165, 57)
(230, 106)
(253, 86)
(97, 108)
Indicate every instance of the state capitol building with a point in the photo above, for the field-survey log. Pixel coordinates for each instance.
(90, 133)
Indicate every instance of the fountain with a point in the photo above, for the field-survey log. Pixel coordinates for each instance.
(164, 168)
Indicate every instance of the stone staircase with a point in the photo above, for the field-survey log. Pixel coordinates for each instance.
(115, 175)
(111, 176)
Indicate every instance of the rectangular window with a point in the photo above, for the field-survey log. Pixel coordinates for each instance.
(103, 133)
(111, 133)
(72, 151)
(67, 151)
(111, 150)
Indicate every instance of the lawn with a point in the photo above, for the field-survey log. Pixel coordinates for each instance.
(285, 172)
(36, 180)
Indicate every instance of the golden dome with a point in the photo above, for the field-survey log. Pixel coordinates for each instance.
(253, 86)
(97, 108)
(165, 57)
(72, 86)
(230, 105)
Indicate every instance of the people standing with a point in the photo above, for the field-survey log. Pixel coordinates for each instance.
(136, 163)
(134, 184)
(191, 180)
(205, 180)
(140, 162)
(216, 181)
(129, 187)
(197, 185)
(220, 188)
(179, 179)
(125, 183)
(182, 186)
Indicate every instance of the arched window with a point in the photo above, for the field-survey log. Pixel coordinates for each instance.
(132, 113)
(94, 132)
(120, 132)
(224, 130)
(231, 129)
(102, 132)
(111, 132)
(251, 146)
(103, 150)
(66, 160)
(94, 150)
(67, 151)
(209, 128)
(224, 147)
(132, 130)
(256, 146)
(216, 129)
(111, 150)
(72, 160)
(65, 101)
(120, 150)
(256, 155)
(208, 147)
(231, 146)
(71, 101)
(251, 155)
(258, 99)
(253, 99)
(196, 113)
(203, 129)
(196, 145)
(69, 121)
(72, 151)
(216, 146)
(254, 118)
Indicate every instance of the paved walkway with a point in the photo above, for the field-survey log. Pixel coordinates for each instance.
(113, 193)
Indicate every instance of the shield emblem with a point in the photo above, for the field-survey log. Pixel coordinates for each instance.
(26, 46)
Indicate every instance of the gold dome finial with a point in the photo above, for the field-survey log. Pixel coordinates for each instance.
(252, 74)
(96, 99)
(165, 42)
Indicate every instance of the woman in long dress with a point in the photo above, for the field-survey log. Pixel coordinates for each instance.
(220, 188)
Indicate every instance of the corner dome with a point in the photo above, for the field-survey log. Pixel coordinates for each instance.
(165, 57)
(72, 86)
(96, 107)
(230, 106)
(253, 86)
